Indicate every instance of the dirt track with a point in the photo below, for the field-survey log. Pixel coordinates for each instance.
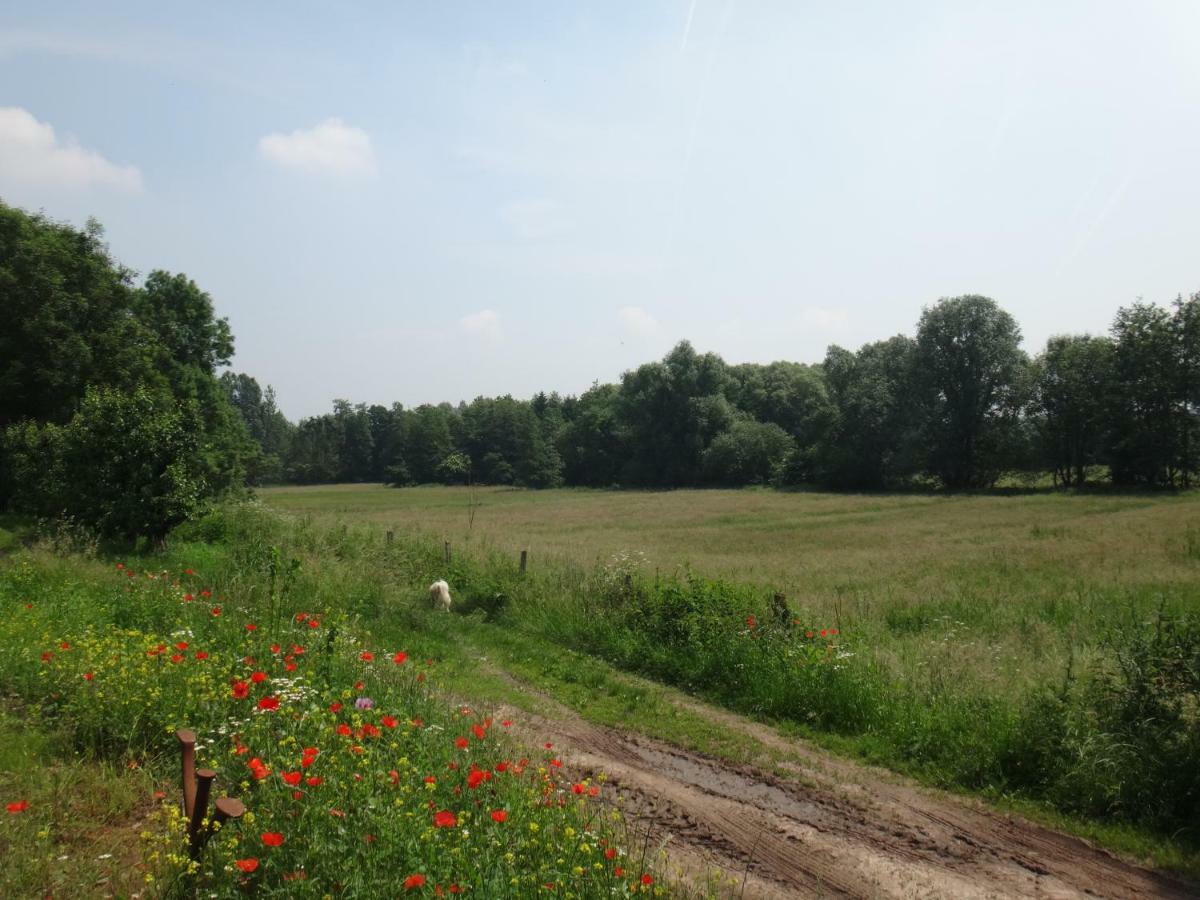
(832, 828)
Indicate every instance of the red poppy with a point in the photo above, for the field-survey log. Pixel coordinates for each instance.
(200, 654)
(343, 729)
(461, 743)
(188, 598)
(47, 656)
(176, 657)
(478, 732)
(272, 838)
(824, 632)
(618, 871)
(88, 676)
(246, 865)
(335, 707)
(750, 620)
(610, 853)
(389, 722)
(507, 723)
(548, 745)
(414, 881)
(833, 631)
(313, 623)
(275, 648)
(291, 778)
(400, 658)
(647, 880)
(250, 626)
(257, 769)
(577, 789)
(216, 610)
(808, 634)
(206, 593)
(556, 763)
(268, 703)
(313, 780)
(64, 645)
(454, 889)
(20, 806)
(476, 778)
(241, 690)
(445, 819)
(188, 572)
(429, 779)
(366, 656)
(258, 677)
(499, 815)
(300, 617)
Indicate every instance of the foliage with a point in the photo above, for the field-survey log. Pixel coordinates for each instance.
(127, 464)
(359, 779)
(971, 377)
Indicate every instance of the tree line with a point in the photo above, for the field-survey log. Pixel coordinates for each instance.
(958, 405)
(112, 410)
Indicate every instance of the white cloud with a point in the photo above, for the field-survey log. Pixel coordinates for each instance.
(637, 322)
(485, 323)
(31, 153)
(331, 147)
(827, 319)
(533, 219)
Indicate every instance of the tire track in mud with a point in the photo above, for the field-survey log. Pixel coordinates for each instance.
(838, 829)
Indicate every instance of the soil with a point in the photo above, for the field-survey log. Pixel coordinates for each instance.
(827, 827)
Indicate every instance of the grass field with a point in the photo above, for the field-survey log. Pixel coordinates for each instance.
(994, 589)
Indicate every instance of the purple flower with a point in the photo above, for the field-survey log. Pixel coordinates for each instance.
(364, 703)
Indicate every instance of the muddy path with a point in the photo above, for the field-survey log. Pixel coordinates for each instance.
(828, 827)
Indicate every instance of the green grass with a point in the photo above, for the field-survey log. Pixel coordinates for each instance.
(79, 835)
(998, 589)
(1002, 644)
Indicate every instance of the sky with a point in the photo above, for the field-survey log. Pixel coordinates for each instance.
(425, 202)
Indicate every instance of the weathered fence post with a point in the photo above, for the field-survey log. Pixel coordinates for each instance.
(783, 613)
(187, 753)
(390, 535)
(524, 559)
(197, 788)
(447, 548)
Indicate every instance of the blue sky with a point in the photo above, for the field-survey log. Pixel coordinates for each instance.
(425, 202)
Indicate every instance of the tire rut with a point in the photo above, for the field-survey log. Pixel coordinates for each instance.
(838, 830)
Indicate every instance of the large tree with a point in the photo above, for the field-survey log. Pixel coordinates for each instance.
(872, 441)
(1073, 391)
(973, 379)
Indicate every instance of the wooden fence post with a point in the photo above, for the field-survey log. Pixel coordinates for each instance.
(197, 788)
(447, 548)
(390, 535)
(187, 753)
(524, 559)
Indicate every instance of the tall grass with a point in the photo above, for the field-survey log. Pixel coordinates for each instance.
(1113, 733)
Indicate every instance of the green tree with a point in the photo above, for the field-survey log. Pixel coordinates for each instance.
(749, 452)
(973, 380)
(129, 464)
(1073, 390)
(67, 318)
(872, 441)
(670, 412)
(592, 443)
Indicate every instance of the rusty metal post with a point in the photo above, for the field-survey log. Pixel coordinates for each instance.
(524, 559)
(228, 808)
(447, 549)
(187, 752)
(390, 535)
(204, 780)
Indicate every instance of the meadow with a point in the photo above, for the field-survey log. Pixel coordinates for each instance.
(988, 588)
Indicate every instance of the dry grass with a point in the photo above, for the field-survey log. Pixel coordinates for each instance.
(994, 587)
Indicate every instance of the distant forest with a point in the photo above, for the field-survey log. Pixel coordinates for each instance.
(112, 409)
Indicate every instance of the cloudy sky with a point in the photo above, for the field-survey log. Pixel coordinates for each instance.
(431, 201)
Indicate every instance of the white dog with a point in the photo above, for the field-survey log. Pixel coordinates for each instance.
(439, 594)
